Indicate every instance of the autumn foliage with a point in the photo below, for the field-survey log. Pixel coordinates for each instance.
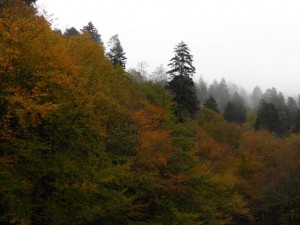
(82, 143)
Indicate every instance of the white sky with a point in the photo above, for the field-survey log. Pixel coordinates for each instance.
(248, 42)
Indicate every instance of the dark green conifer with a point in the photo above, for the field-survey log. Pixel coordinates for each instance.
(297, 122)
(92, 30)
(116, 53)
(72, 31)
(268, 118)
(235, 111)
(211, 104)
(181, 84)
(230, 112)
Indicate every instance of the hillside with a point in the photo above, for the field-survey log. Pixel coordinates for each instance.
(82, 142)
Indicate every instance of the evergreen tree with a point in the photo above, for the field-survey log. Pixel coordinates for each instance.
(211, 104)
(223, 94)
(235, 110)
(292, 109)
(220, 92)
(268, 118)
(272, 96)
(71, 32)
(116, 53)
(256, 97)
(297, 122)
(230, 112)
(278, 100)
(212, 90)
(93, 32)
(202, 91)
(181, 84)
(240, 108)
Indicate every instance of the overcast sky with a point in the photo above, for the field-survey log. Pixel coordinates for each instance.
(248, 42)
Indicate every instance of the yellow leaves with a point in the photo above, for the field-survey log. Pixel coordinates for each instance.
(35, 67)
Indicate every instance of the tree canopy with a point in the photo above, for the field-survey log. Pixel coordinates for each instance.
(83, 143)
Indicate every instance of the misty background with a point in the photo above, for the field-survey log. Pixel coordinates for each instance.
(247, 42)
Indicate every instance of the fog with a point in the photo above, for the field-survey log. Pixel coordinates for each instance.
(247, 42)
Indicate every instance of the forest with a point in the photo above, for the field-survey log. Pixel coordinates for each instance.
(83, 141)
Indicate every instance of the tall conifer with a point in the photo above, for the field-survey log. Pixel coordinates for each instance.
(181, 84)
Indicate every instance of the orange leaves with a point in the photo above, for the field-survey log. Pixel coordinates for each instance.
(207, 148)
(261, 144)
(154, 146)
(155, 142)
(35, 66)
(150, 118)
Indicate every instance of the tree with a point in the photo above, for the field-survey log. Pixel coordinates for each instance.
(230, 112)
(268, 118)
(297, 122)
(220, 92)
(139, 73)
(159, 74)
(256, 97)
(141, 68)
(181, 84)
(92, 30)
(202, 91)
(278, 100)
(72, 31)
(223, 94)
(292, 109)
(116, 53)
(211, 104)
(137, 76)
(235, 111)
(212, 89)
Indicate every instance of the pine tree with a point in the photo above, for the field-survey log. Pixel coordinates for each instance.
(220, 92)
(240, 108)
(223, 94)
(93, 32)
(202, 91)
(256, 97)
(181, 84)
(268, 118)
(211, 104)
(116, 53)
(297, 122)
(230, 112)
(292, 109)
